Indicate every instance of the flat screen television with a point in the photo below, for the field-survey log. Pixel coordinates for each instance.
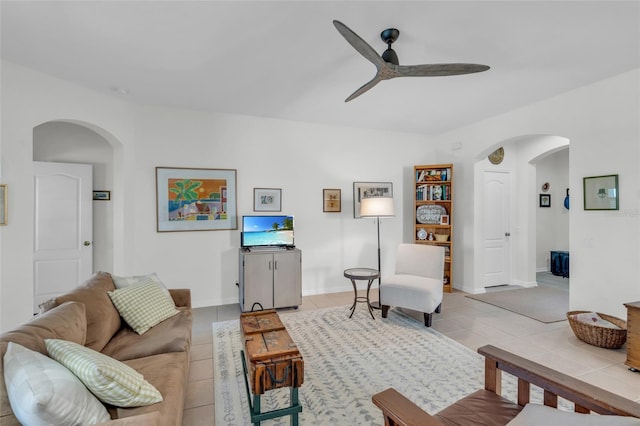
(267, 231)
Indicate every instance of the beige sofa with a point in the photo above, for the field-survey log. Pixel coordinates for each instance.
(87, 316)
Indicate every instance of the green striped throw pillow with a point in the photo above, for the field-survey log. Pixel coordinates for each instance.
(142, 306)
(110, 380)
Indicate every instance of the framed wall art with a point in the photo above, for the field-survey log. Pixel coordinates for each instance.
(601, 192)
(195, 199)
(369, 189)
(331, 201)
(3, 204)
(102, 195)
(267, 199)
(545, 200)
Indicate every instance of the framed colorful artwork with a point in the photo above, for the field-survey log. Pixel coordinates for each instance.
(195, 199)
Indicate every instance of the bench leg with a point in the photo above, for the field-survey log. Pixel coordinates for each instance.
(294, 403)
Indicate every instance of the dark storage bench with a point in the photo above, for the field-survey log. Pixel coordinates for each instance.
(560, 263)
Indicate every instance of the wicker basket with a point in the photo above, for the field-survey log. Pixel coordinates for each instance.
(604, 337)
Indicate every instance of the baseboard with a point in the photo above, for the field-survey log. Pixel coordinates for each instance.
(525, 283)
(318, 291)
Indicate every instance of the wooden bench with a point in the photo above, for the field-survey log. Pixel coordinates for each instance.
(271, 360)
(488, 407)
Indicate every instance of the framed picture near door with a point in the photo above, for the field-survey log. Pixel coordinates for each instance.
(601, 192)
(545, 200)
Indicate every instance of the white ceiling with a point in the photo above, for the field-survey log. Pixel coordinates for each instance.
(286, 60)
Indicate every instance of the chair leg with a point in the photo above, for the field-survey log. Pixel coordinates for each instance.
(439, 308)
(427, 320)
(385, 310)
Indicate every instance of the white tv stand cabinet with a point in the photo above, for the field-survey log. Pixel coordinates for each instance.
(270, 278)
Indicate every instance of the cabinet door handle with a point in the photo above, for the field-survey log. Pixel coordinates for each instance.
(275, 264)
(269, 265)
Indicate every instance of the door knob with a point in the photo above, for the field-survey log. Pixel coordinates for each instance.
(87, 243)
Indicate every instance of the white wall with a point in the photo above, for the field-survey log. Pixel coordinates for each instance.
(600, 120)
(300, 158)
(601, 123)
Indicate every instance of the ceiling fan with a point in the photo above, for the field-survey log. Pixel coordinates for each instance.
(388, 65)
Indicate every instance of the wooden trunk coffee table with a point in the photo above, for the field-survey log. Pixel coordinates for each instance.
(271, 360)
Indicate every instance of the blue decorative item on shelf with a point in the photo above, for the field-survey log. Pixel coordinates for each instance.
(566, 200)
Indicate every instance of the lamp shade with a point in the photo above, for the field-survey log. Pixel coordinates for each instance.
(377, 207)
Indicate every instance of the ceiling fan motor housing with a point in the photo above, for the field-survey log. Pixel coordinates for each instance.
(389, 36)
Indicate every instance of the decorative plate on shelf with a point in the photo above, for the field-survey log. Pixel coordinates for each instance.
(430, 214)
(422, 234)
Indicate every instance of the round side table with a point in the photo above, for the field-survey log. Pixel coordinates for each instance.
(355, 274)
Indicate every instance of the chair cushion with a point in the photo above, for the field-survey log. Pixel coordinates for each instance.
(538, 414)
(409, 291)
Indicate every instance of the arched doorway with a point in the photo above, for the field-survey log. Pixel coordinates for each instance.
(520, 155)
(74, 142)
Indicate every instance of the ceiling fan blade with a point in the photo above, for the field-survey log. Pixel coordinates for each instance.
(437, 70)
(359, 44)
(375, 80)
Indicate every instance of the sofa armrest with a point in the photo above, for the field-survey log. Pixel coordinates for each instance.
(147, 419)
(399, 411)
(181, 297)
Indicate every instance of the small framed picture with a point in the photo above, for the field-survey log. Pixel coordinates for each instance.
(601, 193)
(102, 195)
(444, 219)
(545, 200)
(331, 200)
(267, 199)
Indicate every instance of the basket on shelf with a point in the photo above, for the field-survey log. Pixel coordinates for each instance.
(597, 335)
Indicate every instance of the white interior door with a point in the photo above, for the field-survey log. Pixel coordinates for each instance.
(496, 228)
(63, 247)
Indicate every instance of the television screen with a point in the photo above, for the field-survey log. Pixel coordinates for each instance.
(264, 231)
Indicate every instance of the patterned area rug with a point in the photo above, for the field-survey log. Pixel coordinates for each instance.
(346, 361)
(542, 303)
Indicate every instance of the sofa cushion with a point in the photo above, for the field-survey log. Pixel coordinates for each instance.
(169, 374)
(103, 320)
(171, 335)
(122, 282)
(67, 321)
(42, 391)
(538, 414)
(143, 306)
(110, 380)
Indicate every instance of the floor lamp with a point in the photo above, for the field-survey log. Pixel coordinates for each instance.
(377, 207)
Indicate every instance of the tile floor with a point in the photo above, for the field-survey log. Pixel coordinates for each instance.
(467, 321)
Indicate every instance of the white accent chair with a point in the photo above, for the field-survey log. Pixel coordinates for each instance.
(417, 282)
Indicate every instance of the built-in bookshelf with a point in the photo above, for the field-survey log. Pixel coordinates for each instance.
(433, 212)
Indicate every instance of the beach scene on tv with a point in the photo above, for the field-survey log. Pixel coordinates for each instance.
(267, 231)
